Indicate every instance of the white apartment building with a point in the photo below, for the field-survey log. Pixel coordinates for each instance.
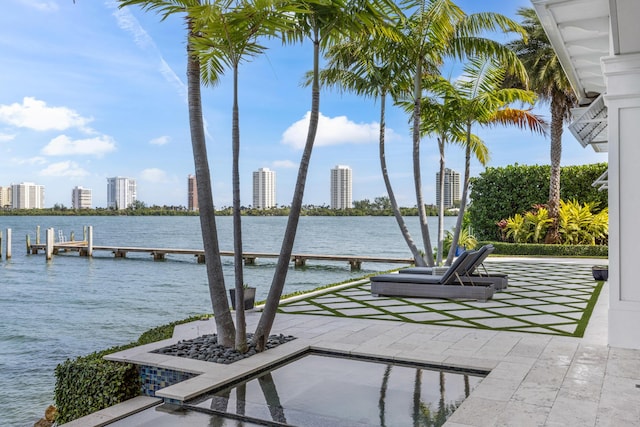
(81, 198)
(27, 195)
(264, 188)
(5, 197)
(451, 188)
(121, 192)
(341, 184)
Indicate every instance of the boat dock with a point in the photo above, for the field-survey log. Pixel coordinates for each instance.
(87, 248)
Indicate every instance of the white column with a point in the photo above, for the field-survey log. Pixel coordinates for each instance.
(622, 76)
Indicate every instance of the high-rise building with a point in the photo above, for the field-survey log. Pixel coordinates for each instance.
(451, 188)
(341, 182)
(264, 188)
(121, 192)
(192, 192)
(81, 198)
(27, 195)
(5, 197)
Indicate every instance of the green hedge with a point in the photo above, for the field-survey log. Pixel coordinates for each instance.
(90, 383)
(499, 193)
(503, 248)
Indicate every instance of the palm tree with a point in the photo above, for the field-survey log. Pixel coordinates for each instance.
(227, 33)
(548, 79)
(366, 66)
(215, 276)
(324, 23)
(441, 117)
(482, 99)
(439, 29)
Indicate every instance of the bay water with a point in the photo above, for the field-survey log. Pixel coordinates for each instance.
(71, 306)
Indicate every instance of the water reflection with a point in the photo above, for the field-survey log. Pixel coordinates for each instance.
(320, 390)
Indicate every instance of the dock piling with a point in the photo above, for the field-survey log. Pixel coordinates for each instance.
(50, 241)
(89, 239)
(8, 254)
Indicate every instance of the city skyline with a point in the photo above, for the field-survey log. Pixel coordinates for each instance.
(70, 116)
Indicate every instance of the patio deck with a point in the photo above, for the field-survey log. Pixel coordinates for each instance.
(544, 378)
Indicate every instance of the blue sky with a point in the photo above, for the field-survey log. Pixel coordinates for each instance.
(89, 91)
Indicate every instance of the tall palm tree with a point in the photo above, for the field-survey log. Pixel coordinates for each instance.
(366, 66)
(548, 79)
(227, 34)
(323, 23)
(483, 100)
(215, 276)
(441, 117)
(439, 29)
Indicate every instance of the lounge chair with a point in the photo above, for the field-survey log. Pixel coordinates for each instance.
(450, 285)
(500, 280)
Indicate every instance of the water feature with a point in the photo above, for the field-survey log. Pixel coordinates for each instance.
(328, 390)
(71, 306)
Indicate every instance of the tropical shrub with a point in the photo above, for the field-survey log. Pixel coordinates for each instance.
(466, 240)
(577, 225)
(500, 193)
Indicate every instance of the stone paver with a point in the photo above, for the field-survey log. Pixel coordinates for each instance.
(545, 378)
(545, 297)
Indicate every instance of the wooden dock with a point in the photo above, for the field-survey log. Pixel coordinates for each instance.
(83, 248)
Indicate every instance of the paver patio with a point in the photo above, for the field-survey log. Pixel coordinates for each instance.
(544, 378)
(544, 297)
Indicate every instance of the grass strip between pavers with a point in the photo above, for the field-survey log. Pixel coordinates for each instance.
(570, 281)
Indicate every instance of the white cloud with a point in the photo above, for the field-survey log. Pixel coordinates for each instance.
(63, 146)
(161, 140)
(331, 131)
(30, 161)
(67, 168)
(127, 22)
(4, 137)
(153, 175)
(36, 115)
(43, 6)
(284, 164)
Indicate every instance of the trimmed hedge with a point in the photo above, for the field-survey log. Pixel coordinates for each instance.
(499, 193)
(592, 251)
(89, 383)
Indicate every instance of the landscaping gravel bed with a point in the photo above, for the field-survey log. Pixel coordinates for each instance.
(206, 348)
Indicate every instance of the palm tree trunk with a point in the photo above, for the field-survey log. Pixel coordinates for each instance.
(463, 200)
(441, 143)
(417, 179)
(215, 276)
(241, 326)
(419, 261)
(557, 121)
(275, 291)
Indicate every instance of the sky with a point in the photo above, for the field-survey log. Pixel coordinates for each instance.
(89, 91)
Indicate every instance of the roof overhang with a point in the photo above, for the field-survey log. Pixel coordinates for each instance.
(579, 32)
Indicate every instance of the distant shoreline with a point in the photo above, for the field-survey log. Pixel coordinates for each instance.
(163, 211)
